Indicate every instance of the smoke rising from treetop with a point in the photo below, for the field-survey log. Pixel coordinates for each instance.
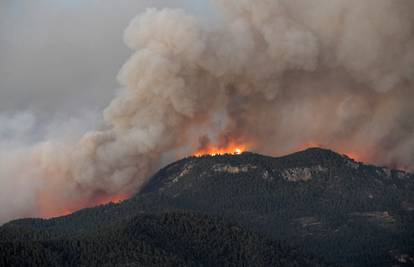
(277, 75)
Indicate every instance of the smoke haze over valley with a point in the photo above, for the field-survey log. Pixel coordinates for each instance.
(268, 76)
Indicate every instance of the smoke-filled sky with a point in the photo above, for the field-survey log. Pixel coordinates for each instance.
(64, 55)
(272, 75)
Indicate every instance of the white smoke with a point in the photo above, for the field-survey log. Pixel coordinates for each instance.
(275, 74)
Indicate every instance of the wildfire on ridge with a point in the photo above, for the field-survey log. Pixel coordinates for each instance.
(213, 150)
(49, 209)
(237, 148)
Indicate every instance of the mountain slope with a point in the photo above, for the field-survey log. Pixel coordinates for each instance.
(335, 207)
(329, 205)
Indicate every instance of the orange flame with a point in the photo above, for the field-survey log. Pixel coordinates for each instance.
(49, 210)
(213, 150)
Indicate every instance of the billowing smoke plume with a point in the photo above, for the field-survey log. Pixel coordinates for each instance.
(277, 75)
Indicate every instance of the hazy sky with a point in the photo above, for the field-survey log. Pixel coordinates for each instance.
(62, 56)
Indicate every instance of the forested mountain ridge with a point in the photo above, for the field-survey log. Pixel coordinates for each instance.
(326, 204)
(348, 212)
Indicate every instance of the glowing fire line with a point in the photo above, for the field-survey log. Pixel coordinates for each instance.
(231, 149)
(48, 210)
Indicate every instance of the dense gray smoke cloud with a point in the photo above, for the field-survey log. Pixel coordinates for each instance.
(276, 75)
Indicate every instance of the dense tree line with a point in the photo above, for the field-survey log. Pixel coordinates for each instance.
(169, 239)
